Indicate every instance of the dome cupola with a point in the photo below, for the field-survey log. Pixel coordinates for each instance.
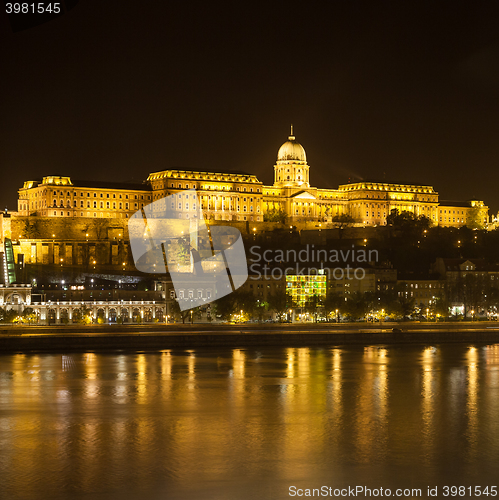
(291, 169)
(291, 150)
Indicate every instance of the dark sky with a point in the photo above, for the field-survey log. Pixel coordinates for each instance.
(113, 90)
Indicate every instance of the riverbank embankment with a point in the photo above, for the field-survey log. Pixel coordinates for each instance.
(159, 337)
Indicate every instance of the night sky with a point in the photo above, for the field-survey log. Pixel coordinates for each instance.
(114, 90)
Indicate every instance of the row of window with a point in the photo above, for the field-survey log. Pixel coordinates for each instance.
(445, 211)
(459, 220)
(107, 195)
(217, 188)
(86, 214)
(189, 294)
(115, 205)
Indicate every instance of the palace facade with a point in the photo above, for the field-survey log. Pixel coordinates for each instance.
(237, 196)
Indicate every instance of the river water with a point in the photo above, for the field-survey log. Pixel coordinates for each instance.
(248, 423)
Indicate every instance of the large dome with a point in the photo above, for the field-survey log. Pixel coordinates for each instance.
(291, 150)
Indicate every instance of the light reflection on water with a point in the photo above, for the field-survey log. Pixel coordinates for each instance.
(247, 423)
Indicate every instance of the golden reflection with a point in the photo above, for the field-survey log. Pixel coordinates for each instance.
(305, 414)
(122, 367)
(492, 354)
(290, 363)
(491, 425)
(190, 392)
(91, 389)
(33, 389)
(166, 365)
(303, 361)
(238, 363)
(336, 394)
(141, 379)
(382, 386)
(371, 407)
(472, 400)
(237, 381)
(428, 401)
(90, 365)
(191, 363)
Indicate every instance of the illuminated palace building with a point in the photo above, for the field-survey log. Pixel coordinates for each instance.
(242, 197)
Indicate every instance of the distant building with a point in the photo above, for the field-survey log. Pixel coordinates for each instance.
(56, 196)
(425, 292)
(68, 308)
(470, 283)
(466, 213)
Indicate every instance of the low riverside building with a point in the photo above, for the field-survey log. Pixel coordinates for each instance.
(201, 291)
(471, 285)
(99, 307)
(264, 287)
(99, 312)
(425, 292)
(348, 281)
(455, 269)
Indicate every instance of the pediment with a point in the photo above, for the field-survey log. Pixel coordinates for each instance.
(304, 195)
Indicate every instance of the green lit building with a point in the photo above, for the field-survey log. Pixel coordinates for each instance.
(303, 288)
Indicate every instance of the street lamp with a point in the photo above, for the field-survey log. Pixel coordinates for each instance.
(337, 316)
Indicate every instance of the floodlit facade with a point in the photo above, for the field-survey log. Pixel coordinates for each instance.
(56, 196)
(237, 196)
(456, 214)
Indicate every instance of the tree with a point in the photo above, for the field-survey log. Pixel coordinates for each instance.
(358, 305)
(7, 315)
(235, 302)
(475, 218)
(31, 228)
(100, 226)
(440, 306)
(261, 308)
(333, 302)
(275, 215)
(29, 315)
(341, 222)
(405, 306)
(471, 290)
(408, 223)
(280, 303)
(401, 303)
(312, 306)
(178, 314)
(82, 315)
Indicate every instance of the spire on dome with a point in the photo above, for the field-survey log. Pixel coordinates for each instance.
(291, 150)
